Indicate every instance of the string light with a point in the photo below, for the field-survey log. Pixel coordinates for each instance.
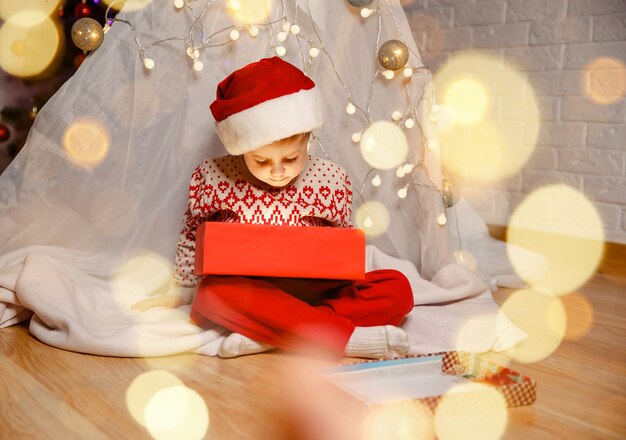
(179, 4)
(365, 12)
(407, 168)
(432, 145)
(350, 108)
(368, 222)
(295, 29)
(234, 35)
(197, 65)
(286, 26)
(402, 192)
(396, 116)
(253, 31)
(281, 51)
(408, 72)
(389, 74)
(356, 137)
(148, 63)
(282, 36)
(314, 52)
(400, 172)
(442, 219)
(376, 180)
(409, 123)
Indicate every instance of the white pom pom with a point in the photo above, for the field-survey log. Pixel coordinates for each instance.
(408, 72)
(178, 4)
(350, 108)
(356, 137)
(294, 29)
(314, 52)
(396, 116)
(280, 51)
(253, 31)
(441, 219)
(234, 34)
(197, 65)
(409, 123)
(389, 74)
(376, 180)
(148, 63)
(365, 12)
(286, 26)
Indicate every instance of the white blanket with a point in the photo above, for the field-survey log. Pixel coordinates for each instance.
(75, 310)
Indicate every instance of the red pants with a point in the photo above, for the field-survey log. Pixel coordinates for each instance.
(293, 313)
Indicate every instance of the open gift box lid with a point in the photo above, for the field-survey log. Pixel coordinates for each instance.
(280, 251)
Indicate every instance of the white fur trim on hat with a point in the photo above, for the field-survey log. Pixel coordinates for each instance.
(271, 121)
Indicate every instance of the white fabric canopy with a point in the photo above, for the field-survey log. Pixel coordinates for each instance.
(79, 244)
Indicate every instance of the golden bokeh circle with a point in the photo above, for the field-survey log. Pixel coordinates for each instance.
(86, 141)
(384, 145)
(373, 218)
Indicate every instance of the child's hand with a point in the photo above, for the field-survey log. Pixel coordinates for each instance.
(169, 301)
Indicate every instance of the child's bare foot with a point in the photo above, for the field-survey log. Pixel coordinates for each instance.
(238, 345)
(378, 342)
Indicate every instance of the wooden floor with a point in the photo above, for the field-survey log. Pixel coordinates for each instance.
(50, 393)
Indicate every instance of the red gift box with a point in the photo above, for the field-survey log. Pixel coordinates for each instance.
(280, 251)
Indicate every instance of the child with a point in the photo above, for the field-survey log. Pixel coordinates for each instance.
(264, 114)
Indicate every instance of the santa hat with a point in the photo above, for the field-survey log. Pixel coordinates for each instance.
(264, 102)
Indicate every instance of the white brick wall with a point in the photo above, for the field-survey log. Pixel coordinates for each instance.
(580, 143)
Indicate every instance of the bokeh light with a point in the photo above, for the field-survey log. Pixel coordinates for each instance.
(384, 145)
(605, 80)
(41, 8)
(542, 317)
(249, 11)
(468, 98)
(138, 276)
(579, 315)
(114, 212)
(476, 143)
(144, 387)
(458, 416)
(30, 44)
(176, 412)
(560, 223)
(86, 141)
(373, 218)
(471, 334)
(127, 5)
(404, 420)
(161, 402)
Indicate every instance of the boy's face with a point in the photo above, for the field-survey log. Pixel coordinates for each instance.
(278, 163)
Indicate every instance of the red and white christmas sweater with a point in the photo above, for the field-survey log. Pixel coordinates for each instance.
(223, 189)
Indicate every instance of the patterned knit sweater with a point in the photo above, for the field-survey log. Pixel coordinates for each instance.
(223, 189)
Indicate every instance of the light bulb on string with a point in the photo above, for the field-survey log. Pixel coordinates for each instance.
(314, 52)
(409, 123)
(407, 168)
(281, 51)
(148, 63)
(286, 26)
(356, 137)
(294, 29)
(178, 4)
(350, 108)
(466, 258)
(281, 36)
(442, 219)
(389, 74)
(234, 35)
(365, 12)
(253, 31)
(432, 145)
(197, 65)
(368, 222)
(376, 181)
(402, 192)
(396, 116)
(408, 72)
(400, 172)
